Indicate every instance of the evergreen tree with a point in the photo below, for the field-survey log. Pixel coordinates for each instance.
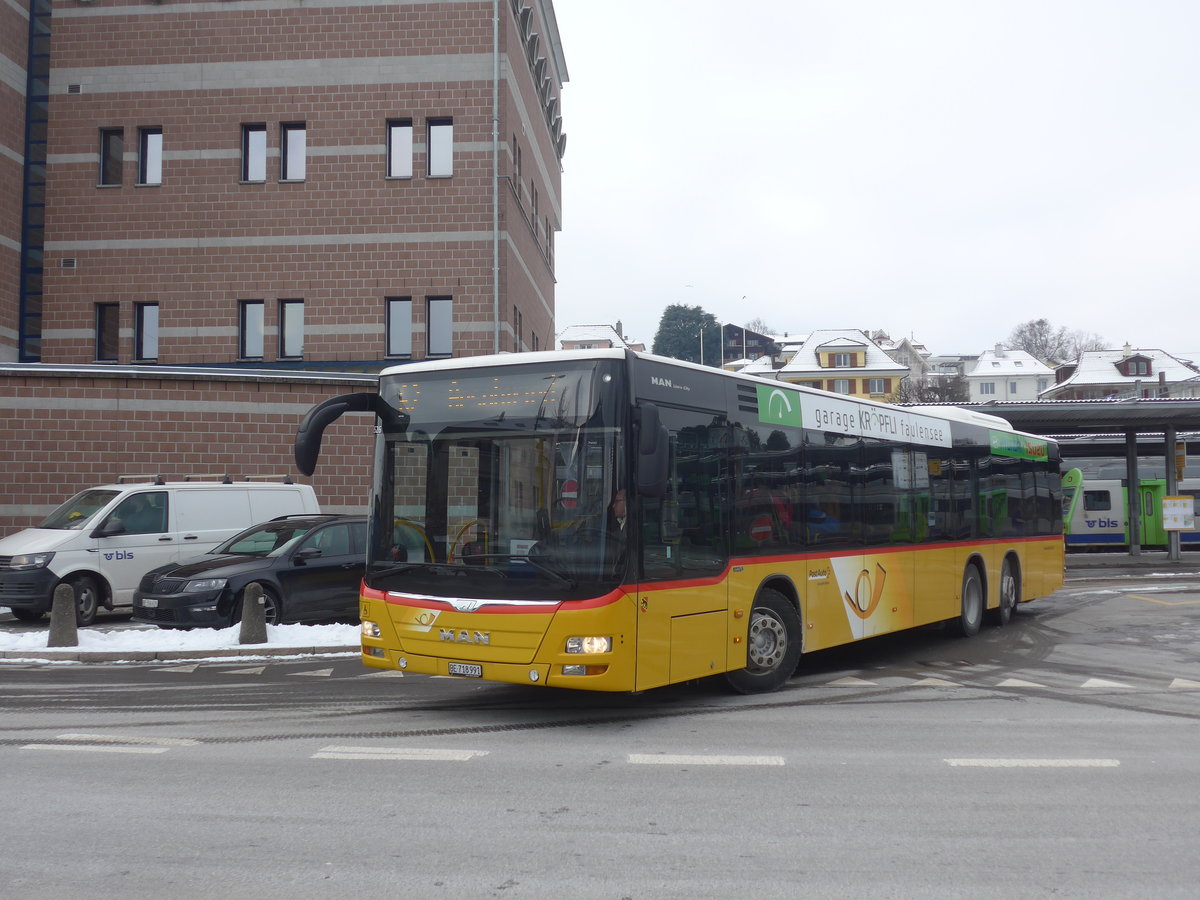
(680, 331)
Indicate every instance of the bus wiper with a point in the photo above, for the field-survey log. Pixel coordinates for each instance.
(447, 568)
(545, 570)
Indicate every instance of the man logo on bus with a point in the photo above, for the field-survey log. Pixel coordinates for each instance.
(778, 407)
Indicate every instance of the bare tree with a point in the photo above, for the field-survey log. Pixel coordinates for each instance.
(1051, 345)
(933, 389)
(759, 326)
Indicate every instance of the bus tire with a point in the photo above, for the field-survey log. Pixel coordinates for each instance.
(1010, 590)
(772, 645)
(971, 616)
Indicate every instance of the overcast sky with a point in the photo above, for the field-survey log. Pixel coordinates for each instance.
(941, 170)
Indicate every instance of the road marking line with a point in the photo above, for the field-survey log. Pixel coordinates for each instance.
(1184, 684)
(398, 753)
(1103, 683)
(119, 739)
(316, 673)
(96, 748)
(1017, 682)
(256, 670)
(935, 682)
(1037, 763)
(667, 759)
(185, 669)
(849, 681)
(1165, 602)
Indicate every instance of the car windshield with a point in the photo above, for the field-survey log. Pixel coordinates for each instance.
(78, 511)
(268, 539)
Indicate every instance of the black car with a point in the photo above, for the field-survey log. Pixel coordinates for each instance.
(309, 566)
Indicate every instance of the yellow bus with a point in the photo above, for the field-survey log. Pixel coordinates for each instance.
(760, 520)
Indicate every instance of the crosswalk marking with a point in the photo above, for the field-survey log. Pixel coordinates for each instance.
(404, 754)
(1037, 763)
(673, 759)
(96, 748)
(120, 739)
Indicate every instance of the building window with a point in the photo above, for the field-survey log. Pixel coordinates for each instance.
(291, 329)
(1042, 384)
(254, 152)
(150, 149)
(399, 148)
(841, 385)
(440, 148)
(987, 387)
(292, 139)
(842, 360)
(108, 331)
(250, 329)
(438, 331)
(877, 385)
(1012, 387)
(399, 326)
(112, 152)
(145, 332)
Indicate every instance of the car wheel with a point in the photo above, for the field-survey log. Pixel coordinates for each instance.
(971, 616)
(87, 599)
(272, 606)
(772, 645)
(1010, 590)
(27, 615)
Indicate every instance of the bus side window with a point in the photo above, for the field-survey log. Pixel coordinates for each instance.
(1096, 501)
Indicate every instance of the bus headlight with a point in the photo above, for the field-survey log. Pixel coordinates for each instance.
(371, 629)
(589, 645)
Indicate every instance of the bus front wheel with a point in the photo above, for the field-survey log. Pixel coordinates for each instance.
(971, 616)
(772, 645)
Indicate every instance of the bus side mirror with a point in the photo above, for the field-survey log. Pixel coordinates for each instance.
(653, 453)
(308, 435)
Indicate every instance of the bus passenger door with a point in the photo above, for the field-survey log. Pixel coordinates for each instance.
(682, 598)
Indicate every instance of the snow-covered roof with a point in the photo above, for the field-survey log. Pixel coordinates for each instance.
(1008, 363)
(805, 358)
(1100, 367)
(591, 334)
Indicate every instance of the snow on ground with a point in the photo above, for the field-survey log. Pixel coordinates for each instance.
(153, 639)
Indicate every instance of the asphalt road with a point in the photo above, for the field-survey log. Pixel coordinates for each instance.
(1057, 756)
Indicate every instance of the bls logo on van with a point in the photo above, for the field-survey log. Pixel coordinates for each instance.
(1101, 523)
(118, 555)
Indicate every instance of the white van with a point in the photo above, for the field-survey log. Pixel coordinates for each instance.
(104, 539)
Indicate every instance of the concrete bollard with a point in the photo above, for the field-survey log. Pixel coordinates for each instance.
(254, 616)
(64, 630)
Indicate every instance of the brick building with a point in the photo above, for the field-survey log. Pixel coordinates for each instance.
(280, 184)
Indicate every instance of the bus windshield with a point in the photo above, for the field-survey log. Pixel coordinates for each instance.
(499, 488)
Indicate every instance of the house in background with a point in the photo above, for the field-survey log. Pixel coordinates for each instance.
(843, 361)
(592, 337)
(1007, 375)
(1125, 373)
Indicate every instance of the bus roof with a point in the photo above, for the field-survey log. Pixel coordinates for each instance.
(947, 413)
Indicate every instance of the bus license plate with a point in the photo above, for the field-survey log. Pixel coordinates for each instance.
(469, 670)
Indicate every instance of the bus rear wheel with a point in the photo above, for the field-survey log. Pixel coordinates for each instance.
(971, 616)
(772, 645)
(1010, 589)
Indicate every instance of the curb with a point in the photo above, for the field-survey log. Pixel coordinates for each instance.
(66, 654)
